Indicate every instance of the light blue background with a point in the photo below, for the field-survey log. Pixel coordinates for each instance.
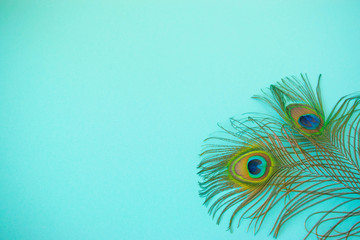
(104, 105)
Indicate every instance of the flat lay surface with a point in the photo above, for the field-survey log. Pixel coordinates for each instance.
(104, 105)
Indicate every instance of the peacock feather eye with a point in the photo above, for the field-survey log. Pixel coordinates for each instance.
(305, 118)
(309, 121)
(251, 167)
(257, 166)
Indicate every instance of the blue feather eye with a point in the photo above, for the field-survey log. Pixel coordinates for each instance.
(309, 121)
(256, 166)
(305, 118)
(251, 168)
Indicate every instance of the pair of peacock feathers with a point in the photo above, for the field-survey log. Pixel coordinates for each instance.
(299, 161)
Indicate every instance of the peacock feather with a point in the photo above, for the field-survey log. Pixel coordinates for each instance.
(298, 160)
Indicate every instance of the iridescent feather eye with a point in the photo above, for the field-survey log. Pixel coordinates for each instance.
(251, 168)
(305, 118)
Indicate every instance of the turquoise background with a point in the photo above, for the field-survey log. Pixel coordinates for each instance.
(104, 105)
